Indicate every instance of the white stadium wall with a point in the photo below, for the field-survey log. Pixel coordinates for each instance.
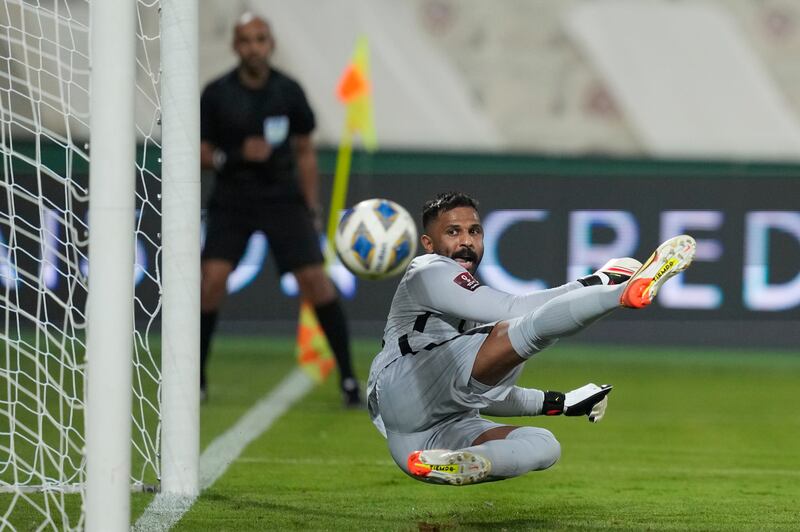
(517, 76)
(536, 76)
(678, 106)
(420, 98)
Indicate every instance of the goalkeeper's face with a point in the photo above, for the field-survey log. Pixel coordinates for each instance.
(457, 234)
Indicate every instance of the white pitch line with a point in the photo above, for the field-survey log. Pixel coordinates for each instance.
(166, 510)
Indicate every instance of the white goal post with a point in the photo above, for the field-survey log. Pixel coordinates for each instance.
(112, 34)
(112, 206)
(99, 259)
(180, 170)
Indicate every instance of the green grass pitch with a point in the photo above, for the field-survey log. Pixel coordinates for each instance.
(694, 439)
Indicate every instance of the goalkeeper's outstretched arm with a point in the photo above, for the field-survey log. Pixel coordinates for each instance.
(589, 400)
(519, 402)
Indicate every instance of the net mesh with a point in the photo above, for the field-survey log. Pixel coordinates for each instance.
(147, 301)
(44, 116)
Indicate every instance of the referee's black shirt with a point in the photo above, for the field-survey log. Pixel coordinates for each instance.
(229, 112)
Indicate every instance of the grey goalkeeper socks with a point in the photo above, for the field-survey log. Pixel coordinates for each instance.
(524, 449)
(563, 316)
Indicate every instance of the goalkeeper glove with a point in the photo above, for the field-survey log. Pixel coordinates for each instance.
(589, 400)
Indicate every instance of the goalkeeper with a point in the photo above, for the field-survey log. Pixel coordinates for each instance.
(453, 350)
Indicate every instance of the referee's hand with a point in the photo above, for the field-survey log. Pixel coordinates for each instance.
(256, 149)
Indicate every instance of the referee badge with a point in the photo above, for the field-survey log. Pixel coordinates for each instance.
(276, 129)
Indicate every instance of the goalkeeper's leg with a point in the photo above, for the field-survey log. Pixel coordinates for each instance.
(523, 450)
(574, 311)
(514, 341)
(562, 316)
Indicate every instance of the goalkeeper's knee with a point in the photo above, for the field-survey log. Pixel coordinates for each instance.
(524, 339)
(544, 450)
(524, 449)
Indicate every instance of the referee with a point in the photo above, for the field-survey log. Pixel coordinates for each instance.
(256, 135)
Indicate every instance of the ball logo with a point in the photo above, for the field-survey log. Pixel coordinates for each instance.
(466, 280)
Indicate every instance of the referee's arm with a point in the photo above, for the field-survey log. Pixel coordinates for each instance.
(307, 170)
(207, 155)
(254, 149)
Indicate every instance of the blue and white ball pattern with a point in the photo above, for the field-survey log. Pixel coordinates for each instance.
(376, 239)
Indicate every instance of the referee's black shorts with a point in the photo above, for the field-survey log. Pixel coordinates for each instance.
(289, 228)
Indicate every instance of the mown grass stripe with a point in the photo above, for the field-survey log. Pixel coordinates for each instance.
(167, 509)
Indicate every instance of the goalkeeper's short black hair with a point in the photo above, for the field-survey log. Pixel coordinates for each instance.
(444, 202)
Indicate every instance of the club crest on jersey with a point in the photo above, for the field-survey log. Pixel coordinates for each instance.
(466, 280)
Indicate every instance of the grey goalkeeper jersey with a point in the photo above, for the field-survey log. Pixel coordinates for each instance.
(437, 300)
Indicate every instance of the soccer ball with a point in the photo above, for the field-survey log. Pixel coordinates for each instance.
(376, 239)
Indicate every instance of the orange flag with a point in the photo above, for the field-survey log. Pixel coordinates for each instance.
(353, 84)
(313, 352)
(355, 92)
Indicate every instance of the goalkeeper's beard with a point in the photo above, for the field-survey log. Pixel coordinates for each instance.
(468, 259)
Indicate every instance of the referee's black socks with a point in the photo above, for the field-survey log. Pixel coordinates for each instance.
(208, 322)
(332, 320)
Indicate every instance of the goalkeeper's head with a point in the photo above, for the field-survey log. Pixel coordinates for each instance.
(452, 227)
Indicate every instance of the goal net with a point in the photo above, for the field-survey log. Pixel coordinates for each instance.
(44, 133)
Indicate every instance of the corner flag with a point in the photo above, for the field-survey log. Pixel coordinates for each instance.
(313, 352)
(355, 91)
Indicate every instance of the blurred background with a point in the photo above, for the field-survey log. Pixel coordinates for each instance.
(624, 78)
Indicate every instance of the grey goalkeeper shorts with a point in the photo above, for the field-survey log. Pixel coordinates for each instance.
(426, 402)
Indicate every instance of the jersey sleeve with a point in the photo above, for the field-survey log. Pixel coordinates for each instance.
(301, 117)
(444, 287)
(517, 402)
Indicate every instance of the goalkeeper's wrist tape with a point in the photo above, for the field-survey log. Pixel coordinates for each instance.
(553, 404)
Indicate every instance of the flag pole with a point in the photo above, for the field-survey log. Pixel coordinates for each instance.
(314, 354)
(341, 180)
